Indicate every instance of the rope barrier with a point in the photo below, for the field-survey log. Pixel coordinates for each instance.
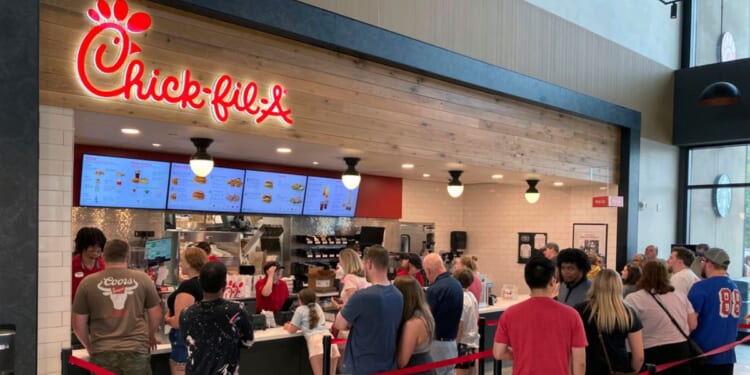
(89, 366)
(438, 364)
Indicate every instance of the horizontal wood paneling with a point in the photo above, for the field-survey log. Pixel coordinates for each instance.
(336, 99)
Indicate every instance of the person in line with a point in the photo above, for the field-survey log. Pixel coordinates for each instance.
(468, 262)
(215, 329)
(188, 292)
(682, 278)
(468, 327)
(639, 259)
(373, 316)
(717, 317)
(446, 299)
(417, 326)
(662, 340)
(271, 292)
(573, 265)
(87, 256)
(610, 323)
(541, 322)
(411, 265)
(652, 254)
(700, 256)
(308, 318)
(595, 266)
(207, 248)
(631, 273)
(550, 251)
(109, 314)
(352, 275)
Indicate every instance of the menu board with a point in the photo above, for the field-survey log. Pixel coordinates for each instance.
(125, 183)
(220, 191)
(273, 193)
(329, 197)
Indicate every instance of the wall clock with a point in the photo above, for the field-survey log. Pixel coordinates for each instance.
(722, 196)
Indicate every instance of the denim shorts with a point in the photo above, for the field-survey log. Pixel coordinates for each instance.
(179, 347)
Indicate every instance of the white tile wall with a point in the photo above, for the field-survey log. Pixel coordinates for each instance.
(56, 131)
(428, 202)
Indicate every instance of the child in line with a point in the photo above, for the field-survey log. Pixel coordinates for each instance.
(308, 318)
(468, 328)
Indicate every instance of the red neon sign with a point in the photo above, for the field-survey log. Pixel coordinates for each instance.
(224, 96)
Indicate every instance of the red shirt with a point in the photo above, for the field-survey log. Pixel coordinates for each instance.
(212, 258)
(418, 275)
(80, 271)
(476, 287)
(274, 302)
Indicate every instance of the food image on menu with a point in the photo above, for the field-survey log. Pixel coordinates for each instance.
(199, 195)
(173, 196)
(298, 187)
(119, 174)
(175, 181)
(268, 184)
(233, 197)
(295, 200)
(266, 198)
(199, 180)
(235, 182)
(144, 181)
(99, 173)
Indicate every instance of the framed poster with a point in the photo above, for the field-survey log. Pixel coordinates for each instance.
(591, 238)
(530, 244)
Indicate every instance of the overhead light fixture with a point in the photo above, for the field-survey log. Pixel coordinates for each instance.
(201, 163)
(130, 131)
(425, 175)
(315, 163)
(407, 166)
(673, 11)
(455, 187)
(351, 177)
(156, 144)
(284, 150)
(558, 183)
(497, 176)
(532, 194)
(719, 94)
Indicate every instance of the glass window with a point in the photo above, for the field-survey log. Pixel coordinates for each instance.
(707, 164)
(722, 27)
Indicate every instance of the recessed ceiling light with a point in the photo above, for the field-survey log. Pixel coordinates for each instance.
(558, 183)
(602, 188)
(407, 166)
(425, 175)
(283, 150)
(315, 163)
(497, 176)
(130, 131)
(156, 144)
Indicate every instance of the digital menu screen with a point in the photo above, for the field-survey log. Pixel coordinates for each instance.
(273, 193)
(160, 249)
(220, 191)
(124, 183)
(329, 197)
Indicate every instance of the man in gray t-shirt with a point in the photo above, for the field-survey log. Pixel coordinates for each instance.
(573, 265)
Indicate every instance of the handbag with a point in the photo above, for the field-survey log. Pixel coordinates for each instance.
(606, 357)
(695, 350)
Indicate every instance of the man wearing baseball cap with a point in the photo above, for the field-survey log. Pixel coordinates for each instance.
(271, 292)
(717, 317)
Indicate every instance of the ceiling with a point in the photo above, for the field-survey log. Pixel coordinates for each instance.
(104, 129)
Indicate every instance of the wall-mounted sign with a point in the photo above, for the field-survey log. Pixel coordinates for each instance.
(608, 201)
(108, 47)
(530, 244)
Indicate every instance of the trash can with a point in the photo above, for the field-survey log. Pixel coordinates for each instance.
(7, 349)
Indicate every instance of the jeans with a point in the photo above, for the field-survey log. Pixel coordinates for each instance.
(444, 350)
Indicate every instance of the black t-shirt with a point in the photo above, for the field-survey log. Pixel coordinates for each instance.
(191, 287)
(214, 332)
(596, 363)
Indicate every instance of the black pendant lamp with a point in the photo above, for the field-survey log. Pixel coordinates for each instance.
(719, 94)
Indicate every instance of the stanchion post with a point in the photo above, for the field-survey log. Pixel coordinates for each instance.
(65, 358)
(497, 366)
(651, 368)
(480, 363)
(326, 354)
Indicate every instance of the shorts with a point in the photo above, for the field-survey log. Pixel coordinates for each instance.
(179, 352)
(315, 345)
(124, 363)
(463, 350)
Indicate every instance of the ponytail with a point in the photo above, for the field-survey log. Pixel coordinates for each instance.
(314, 317)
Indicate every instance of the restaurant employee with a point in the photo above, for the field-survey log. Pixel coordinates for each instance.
(87, 256)
(271, 292)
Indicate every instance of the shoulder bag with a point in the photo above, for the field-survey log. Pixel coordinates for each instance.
(606, 355)
(695, 350)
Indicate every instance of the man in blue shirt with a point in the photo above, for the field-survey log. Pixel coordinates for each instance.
(373, 314)
(717, 317)
(446, 299)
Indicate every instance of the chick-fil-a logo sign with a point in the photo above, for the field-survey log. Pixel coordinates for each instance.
(223, 96)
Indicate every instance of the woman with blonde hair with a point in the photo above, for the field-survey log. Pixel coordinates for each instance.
(609, 323)
(417, 326)
(189, 292)
(469, 262)
(351, 273)
(658, 305)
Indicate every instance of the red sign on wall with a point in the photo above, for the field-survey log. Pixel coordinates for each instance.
(608, 201)
(224, 96)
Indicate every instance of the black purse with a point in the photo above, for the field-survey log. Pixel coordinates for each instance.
(695, 350)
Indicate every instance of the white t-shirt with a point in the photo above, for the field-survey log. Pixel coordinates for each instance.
(470, 318)
(658, 329)
(301, 319)
(683, 280)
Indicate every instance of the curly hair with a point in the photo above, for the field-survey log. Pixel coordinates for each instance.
(575, 256)
(89, 236)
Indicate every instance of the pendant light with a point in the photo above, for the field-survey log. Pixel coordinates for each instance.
(201, 163)
(351, 177)
(455, 187)
(532, 194)
(719, 94)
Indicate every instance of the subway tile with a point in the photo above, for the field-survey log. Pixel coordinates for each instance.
(56, 121)
(51, 182)
(50, 136)
(50, 167)
(50, 350)
(54, 334)
(50, 320)
(50, 198)
(69, 138)
(68, 168)
(55, 243)
(55, 152)
(52, 274)
(49, 109)
(54, 213)
(50, 259)
(51, 228)
(50, 289)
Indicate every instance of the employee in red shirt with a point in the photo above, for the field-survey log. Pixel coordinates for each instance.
(207, 248)
(87, 256)
(411, 264)
(271, 292)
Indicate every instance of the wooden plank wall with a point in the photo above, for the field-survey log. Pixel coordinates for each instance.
(337, 100)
